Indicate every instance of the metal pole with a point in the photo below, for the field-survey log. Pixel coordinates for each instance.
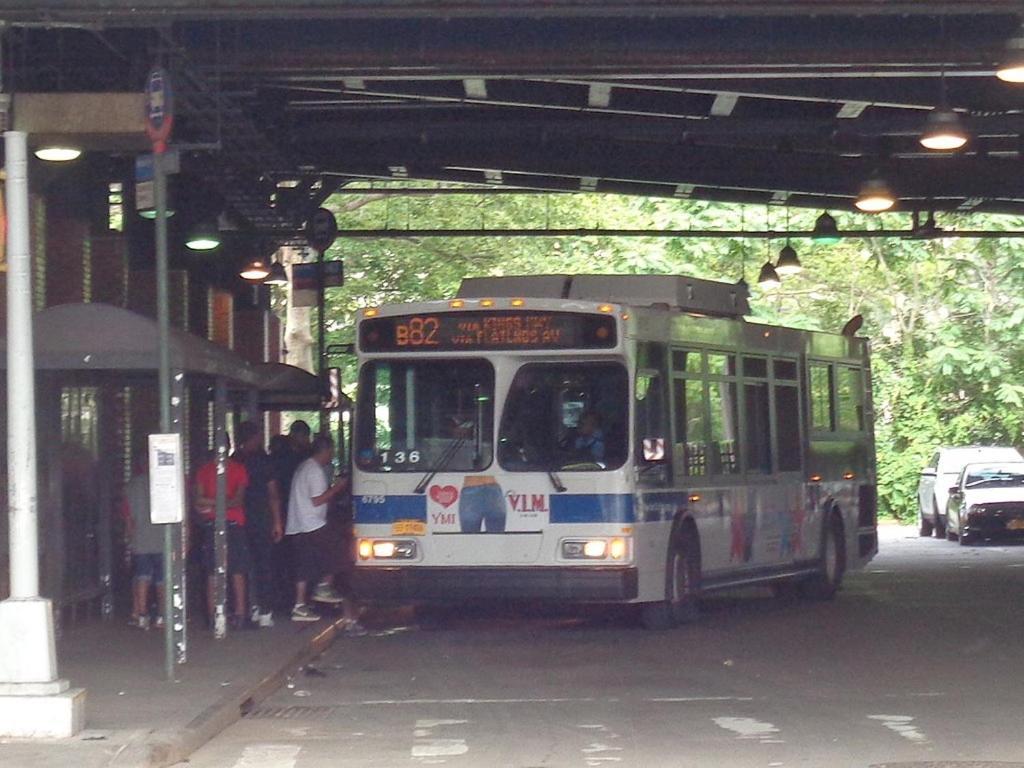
(164, 384)
(177, 586)
(321, 323)
(220, 409)
(23, 513)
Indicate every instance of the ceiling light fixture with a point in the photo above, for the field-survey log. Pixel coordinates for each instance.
(277, 275)
(204, 237)
(943, 130)
(826, 231)
(789, 262)
(58, 153)
(768, 277)
(256, 270)
(875, 196)
(1011, 69)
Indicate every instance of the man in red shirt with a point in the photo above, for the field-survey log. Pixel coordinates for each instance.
(239, 559)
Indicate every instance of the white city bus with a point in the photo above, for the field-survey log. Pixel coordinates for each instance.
(606, 439)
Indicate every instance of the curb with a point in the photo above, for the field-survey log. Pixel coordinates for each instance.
(163, 748)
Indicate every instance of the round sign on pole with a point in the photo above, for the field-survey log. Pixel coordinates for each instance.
(159, 109)
(321, 229)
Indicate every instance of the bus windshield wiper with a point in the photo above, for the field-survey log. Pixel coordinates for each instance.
(556, 481)
(445, 460)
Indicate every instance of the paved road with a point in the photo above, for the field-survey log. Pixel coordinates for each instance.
(918, 661)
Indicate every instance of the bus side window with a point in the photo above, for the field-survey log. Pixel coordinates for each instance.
(849, 408)
(787, 423)
(757, 438)
(724, 427)
(690, 454)
(651, 425)
(821, 397)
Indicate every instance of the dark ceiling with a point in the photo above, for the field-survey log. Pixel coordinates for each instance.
(768, 102)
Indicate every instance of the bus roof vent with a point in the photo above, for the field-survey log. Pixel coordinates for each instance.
(677, 292)
(527, 286)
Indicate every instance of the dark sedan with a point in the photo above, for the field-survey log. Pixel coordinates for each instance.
(987, 501)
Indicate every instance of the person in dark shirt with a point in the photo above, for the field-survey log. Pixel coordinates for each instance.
(264, 521)
(287, 452)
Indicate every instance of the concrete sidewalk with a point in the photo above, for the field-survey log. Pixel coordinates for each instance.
(135, 718)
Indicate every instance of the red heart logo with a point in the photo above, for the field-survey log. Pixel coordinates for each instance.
(445, 495)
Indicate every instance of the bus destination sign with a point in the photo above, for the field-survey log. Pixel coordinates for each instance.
(468, 331)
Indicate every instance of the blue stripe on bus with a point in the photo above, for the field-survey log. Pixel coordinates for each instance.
(592, 508)
(574, 508)
(391, 508)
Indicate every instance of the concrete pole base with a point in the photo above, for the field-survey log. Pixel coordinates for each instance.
(53, 716)
(33, 700)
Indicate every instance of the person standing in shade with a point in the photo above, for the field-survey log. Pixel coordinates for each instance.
(263, 520)
(289, 455)
(310, 497)
(239, 558)
(146, 543)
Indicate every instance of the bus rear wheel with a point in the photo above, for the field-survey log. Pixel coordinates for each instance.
(682, 585)
(825, 584)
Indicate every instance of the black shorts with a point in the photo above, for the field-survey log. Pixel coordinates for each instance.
(309, 554)
(239, 557)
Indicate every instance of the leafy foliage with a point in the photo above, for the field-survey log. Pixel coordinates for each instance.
(945, 315)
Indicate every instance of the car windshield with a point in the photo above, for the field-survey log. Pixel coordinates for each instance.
(565, 417)
(425, 415)
(996, 475)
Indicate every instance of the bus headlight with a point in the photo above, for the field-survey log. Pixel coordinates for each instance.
(386, 549)
(595, 549)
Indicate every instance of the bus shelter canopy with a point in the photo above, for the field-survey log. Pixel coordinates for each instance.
(100, 337)
(285, 387)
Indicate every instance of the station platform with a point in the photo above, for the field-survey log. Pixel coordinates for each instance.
(135, 718)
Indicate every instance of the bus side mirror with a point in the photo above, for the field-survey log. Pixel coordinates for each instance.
(654, 449)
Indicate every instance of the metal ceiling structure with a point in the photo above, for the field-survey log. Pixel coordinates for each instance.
(758, 102)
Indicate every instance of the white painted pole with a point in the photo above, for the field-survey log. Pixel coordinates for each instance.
(21, 393)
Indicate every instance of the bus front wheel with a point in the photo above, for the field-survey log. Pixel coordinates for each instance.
(682, 584)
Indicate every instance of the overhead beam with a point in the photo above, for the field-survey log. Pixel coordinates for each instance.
(148, 11)
(674, 234)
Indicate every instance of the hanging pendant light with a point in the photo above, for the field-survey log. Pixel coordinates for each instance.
(943, 130)
(277, 275)
(256, 270)
(204, 237)
(789, 262)
(768, 276)
(875, 196)
(1011, 69)
(826, 231)
(58, 153)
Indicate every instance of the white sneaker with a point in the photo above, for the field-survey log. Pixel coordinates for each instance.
(254, 614)
(265, 619)
(326, 594)
(304, 613)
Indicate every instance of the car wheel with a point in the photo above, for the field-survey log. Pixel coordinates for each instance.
(950, 535)
(965, 538)
(825, 584)
(682, 585)
(940, 526)
(924, 527)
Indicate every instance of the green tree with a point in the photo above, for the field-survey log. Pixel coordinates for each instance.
(944, 315)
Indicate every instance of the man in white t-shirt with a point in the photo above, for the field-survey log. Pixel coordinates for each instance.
(308, 503)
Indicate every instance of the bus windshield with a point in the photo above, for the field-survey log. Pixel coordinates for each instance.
(565, 417)
(425, 415)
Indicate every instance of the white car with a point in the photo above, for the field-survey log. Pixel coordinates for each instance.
(942, 473)
(987, 501)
